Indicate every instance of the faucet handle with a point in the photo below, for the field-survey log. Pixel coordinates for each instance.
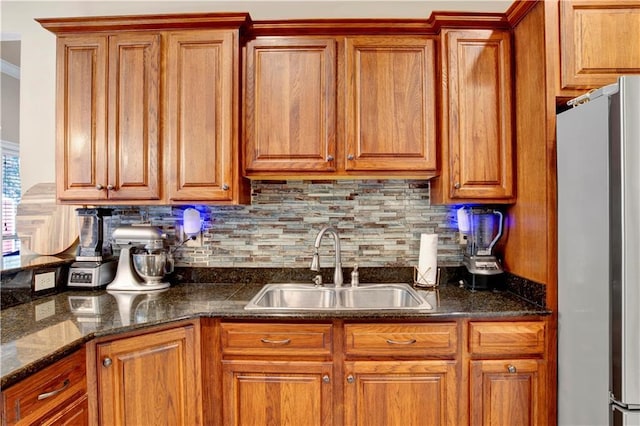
(317, 280)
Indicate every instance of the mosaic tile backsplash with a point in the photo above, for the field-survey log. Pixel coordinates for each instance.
(379, 221)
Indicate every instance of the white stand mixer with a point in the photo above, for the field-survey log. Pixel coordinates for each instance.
(133, 277)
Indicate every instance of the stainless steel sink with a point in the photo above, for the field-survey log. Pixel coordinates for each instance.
(365, 297)
(382, 296)
(293, 296)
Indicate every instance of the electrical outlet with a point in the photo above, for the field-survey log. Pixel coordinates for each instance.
(462, 238)
(44, 281)
(45, 310)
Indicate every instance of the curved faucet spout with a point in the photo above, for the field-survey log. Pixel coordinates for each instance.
(315, 263)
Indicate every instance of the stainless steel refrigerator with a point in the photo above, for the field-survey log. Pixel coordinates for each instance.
(598, 159)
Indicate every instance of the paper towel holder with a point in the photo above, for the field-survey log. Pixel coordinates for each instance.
(420, 281)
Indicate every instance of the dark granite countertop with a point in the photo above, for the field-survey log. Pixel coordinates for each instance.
(37, 333)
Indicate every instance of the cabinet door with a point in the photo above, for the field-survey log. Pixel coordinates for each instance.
(599, 41)
(477, 157)
(73, 414)
(391, 98)
(400, 393)
(290, 105)
(150, 379)
(507, 392)
(277, 393)
(201, 120)
(81, 146)
(134, 141)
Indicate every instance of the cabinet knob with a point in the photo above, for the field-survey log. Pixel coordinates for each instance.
(225, 187)
(111, 187)
(107, 362)
(326, 378)
(350, 157)
(511, 368)
(350, 378)
(99, 187)
(329, 157)
(456, 185)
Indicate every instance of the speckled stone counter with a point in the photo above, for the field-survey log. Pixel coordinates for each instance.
(37, 333)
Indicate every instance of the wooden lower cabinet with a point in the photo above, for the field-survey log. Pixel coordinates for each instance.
(507, 392)
(55, 395)
(508, 373)
(277, 393)
(150, 379)
(400, 393)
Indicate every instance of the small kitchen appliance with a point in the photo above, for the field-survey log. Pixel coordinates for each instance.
(95, 265)
(144, 260)
(482, 228)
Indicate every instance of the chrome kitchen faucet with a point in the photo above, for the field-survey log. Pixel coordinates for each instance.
(315, 262)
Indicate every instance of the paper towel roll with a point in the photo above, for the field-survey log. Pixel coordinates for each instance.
(428, 259)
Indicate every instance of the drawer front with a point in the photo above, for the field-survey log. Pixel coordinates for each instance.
(436, 339)
(507, 338)
(47, 388)
(276, 339)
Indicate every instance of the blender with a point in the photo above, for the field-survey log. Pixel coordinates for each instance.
(482, 228)
(95, 265)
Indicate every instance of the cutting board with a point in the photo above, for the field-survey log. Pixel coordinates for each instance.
(43, 226)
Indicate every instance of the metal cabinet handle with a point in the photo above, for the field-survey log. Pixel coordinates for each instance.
(107, 362)
(275, 342)
(99, 187)
(46, 395)
(456, 185)
(350, 157)
(329, 157)
(512, 368)
(225, 187)
(403, 342)
(111, 187)
(326, 378)
(350, 378)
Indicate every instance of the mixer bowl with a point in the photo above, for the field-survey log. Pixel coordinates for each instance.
(151, 267)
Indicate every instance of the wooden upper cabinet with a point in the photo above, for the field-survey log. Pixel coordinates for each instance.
(477, 151)
(599, 41)
(134, 159)
(390, 103)
(290, 105)
(108, 120)
(81, 151)
(201, 105)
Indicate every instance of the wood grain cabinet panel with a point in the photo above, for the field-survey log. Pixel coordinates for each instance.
(507, 392)
(274, 393)
(390, 104)
(410, 393)
(290, 105)
(81, 150)
(54, 395)
(477, 141)
(201, 100)
(150, 379)
(599, 41)
(507, 338)
(401, 340)
(108, 117)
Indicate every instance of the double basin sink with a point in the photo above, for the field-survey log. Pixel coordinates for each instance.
(364, 297)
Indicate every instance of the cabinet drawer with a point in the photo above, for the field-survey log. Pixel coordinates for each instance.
(276, 339)
(510, 338)
(46, 388)
(438, 339)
